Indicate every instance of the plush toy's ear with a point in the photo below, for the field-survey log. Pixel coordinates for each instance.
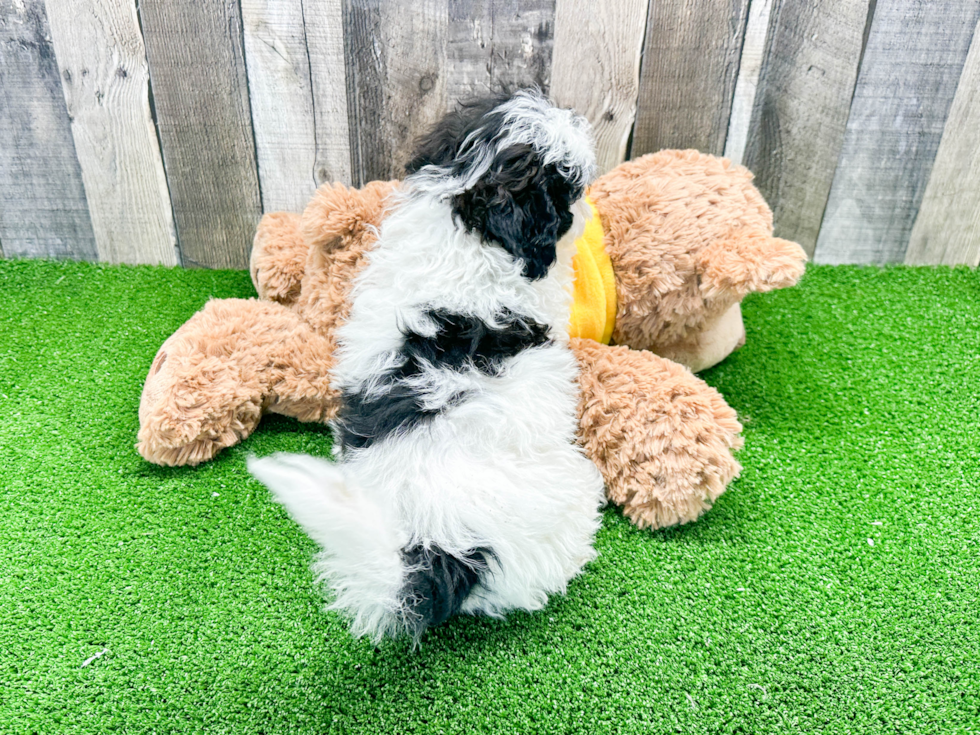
(746, 262)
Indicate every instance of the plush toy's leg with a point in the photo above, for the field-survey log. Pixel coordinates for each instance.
(278, 258)
(720, 337)
(661, 438)
(213, 379)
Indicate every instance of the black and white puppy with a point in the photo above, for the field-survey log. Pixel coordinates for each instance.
(459, 486)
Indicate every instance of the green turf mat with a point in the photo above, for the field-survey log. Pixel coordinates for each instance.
(834, 588)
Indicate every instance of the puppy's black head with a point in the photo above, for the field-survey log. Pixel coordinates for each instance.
(511, 168)
(440, 146)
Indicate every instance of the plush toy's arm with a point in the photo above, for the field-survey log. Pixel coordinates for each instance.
(278, 259)
(213, 379)
(746, 262)
(338, 215)
(661, 438)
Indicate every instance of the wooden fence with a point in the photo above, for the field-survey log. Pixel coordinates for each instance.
(158, 131)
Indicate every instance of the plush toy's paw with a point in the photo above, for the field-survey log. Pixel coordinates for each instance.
(661, 438)
(177, 426)
(338, 216)
(278, 258)
(192, 407)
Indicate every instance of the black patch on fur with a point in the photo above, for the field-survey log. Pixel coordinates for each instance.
(464, 340)
(439, 583)
(520, 204)
(461, 341)
(363, 421)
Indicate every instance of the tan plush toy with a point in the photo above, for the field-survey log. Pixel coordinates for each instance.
(684, 237)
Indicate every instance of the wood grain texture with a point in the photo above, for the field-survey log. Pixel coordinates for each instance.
(396, 80)
(43, 210)
(800, 113)
(687, 79)
(324, 22)
(947, 228)
(498, 45)
(295, 59)
(750, 65)
(914, 57)
(197, 72)
(281, 97)
(596, 69)
(105, 81)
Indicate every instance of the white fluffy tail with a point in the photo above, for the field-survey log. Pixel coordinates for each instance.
(361, 560)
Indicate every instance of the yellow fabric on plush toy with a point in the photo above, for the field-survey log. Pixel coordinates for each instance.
(594, 294)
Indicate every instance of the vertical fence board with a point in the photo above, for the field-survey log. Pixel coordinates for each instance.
(396, 80)
(197, 72)
(281, 97)
(294, 53)
(498, 44)
(43, 210)
(947, 229)
(914, 57)
(105, 81)
(750, 65)
(687, 79)
(808, 75)
(596, 68)
(324, 22)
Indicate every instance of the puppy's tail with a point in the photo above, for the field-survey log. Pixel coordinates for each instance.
(384, 586)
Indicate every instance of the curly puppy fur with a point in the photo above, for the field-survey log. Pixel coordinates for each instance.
(459, 486)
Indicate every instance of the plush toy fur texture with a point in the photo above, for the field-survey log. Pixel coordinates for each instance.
(689, 237)
(661, 437)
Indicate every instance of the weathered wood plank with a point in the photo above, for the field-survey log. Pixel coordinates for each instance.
(295, 59)
(324, 21)
(750, 65)
(914, 57)
(687, 79)
(105, 81)
(947, 229)
(396, 80)
(281, 96)
(808, 75)
(596, 68)
(43, 210)
(197, 71)
(498, 45)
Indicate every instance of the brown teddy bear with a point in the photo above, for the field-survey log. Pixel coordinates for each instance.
(686, 236)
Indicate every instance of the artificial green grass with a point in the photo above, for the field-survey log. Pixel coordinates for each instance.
(834, 588)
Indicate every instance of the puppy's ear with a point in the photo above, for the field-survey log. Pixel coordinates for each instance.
(521, 205)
